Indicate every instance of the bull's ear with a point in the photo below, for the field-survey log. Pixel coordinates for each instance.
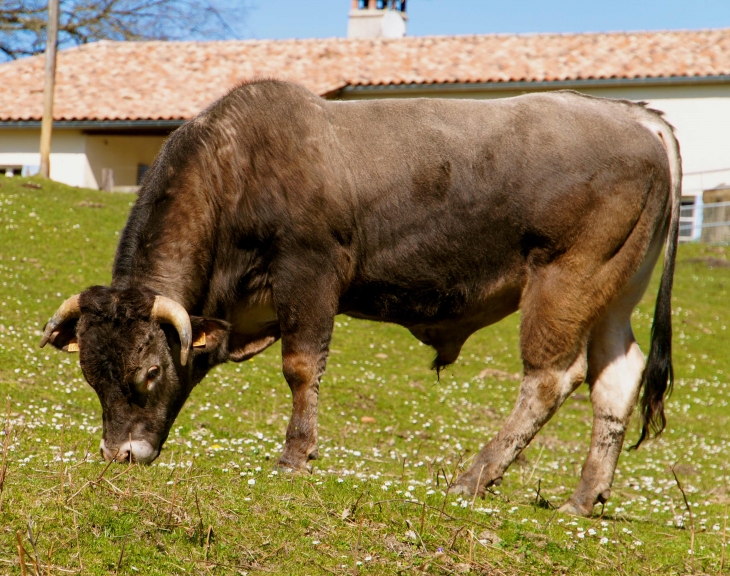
(64, 337)
(210, 336)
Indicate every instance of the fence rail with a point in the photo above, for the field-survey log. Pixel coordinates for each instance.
(705, 223)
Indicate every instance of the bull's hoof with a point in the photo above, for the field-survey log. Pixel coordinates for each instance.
(579, 505)
(297, 463)
(291, 466)
(461, 490)
(467, 487)
(574, 509)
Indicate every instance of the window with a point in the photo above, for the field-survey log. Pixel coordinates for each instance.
(11, 170)
(690, 218)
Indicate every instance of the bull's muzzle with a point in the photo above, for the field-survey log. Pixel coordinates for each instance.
(139, 451)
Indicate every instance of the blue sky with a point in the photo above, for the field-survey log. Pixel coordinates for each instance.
(327, 18)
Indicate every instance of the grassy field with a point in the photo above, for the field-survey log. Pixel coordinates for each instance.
(391, 436)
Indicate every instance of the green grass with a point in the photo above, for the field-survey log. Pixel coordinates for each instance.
(211, 503)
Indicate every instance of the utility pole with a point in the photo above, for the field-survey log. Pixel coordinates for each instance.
(49, 87)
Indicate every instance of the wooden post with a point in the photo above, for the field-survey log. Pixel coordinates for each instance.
(49, 87)
(107, 179)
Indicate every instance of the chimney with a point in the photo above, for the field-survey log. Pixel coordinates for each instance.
(377, 19)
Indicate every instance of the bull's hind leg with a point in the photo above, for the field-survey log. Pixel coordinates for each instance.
(553, 342)
(615, 365)
(542, 392)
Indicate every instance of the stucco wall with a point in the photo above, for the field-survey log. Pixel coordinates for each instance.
(68, 153)
(77, 159)
(123, 154)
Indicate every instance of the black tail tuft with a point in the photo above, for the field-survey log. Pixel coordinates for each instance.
(658, 376)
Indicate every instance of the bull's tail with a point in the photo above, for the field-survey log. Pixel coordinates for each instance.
(658, 376)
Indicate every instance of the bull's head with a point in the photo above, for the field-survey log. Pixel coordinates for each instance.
(143, 355)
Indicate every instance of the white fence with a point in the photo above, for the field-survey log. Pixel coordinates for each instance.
(704, 218)
(705, 223)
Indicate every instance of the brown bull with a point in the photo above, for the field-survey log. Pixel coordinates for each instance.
(274, 210)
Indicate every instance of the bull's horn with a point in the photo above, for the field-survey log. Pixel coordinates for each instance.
(167, 310)
(69, 309)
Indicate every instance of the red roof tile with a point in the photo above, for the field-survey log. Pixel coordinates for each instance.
(175, 80)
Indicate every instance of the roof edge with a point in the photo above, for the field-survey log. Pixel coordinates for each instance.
(508, 85)
(91, 124)
(412, 88)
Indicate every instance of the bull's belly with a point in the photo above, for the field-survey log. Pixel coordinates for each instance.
(459, 307)
(440, 316)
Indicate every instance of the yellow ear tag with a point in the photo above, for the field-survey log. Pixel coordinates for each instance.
(200, 342)
(72, 347)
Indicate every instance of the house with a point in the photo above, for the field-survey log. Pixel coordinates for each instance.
(117, 101)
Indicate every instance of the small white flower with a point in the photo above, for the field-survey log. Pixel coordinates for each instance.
(603, 540)
(251, 482)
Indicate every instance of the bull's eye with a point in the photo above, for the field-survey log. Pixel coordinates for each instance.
(152, 375)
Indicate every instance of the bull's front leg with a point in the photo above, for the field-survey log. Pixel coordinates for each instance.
(306, 309)
(303, 367)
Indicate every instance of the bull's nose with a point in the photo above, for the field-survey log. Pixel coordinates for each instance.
(135, 451)
(118, 455)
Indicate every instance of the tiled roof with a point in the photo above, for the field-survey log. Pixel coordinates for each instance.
(175, 80)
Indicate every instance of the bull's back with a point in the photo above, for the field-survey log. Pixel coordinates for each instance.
(457, 199)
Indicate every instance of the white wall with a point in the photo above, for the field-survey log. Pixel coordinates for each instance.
(123, 154)
(77, 159)
(68, 153)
